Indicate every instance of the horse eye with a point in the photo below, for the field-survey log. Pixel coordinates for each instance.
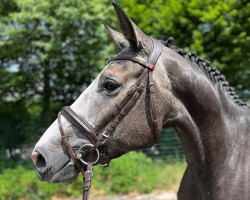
(110, 85)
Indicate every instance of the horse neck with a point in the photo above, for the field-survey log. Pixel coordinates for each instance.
(202, 115)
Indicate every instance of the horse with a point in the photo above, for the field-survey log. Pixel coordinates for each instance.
(150, 85)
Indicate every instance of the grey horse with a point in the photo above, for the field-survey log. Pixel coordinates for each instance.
(191, 96)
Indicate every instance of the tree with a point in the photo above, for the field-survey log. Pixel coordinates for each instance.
(49, 52)
(218, 31)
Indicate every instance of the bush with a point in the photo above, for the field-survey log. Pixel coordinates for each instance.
(169, 173)
(20, 183)
(132, 172)
(128, 173)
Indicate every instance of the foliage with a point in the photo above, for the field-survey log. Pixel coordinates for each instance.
(133, 172)
(128, 173)
(169, 173)
(49, 52)
(217, 30)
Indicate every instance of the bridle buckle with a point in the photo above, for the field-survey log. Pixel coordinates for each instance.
(105, 135)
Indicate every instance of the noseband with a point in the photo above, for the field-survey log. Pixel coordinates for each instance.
(110, 123)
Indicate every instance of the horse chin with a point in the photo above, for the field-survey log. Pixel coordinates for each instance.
(68, 174)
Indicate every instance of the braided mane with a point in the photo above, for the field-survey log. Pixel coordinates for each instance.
(215, 74)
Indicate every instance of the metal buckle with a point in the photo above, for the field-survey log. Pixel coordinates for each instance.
(90, 171)
(105, 165)
(105, 135)
(79, 155)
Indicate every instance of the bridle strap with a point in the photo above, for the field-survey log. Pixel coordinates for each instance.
(87, 181)
(119, 106)
(121, 110)
(87, 175)
(67, 145)
(83, 126)
(149, 67)
(153, 107)
(126, 105)
(155, 54)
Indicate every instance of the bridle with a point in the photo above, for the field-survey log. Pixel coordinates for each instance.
(110, 123)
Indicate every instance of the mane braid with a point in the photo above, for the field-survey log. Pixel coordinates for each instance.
(214, 73)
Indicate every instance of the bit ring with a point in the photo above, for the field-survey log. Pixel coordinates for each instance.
(79, 155)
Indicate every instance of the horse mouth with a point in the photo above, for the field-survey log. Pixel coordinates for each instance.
(66, 174)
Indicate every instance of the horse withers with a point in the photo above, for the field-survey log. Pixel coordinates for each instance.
(147, 86)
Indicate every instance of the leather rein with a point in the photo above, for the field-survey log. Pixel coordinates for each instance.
(110, 123)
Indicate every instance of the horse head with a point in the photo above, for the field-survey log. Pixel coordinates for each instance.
(118, 108)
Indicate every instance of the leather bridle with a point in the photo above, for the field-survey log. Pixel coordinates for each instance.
(110, 123)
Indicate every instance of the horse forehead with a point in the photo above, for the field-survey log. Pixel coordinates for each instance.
(122, 69)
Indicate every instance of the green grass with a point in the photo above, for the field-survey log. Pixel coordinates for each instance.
(132, 172)
(169, 174)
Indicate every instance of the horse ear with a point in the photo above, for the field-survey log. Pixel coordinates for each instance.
(128, 28)
(119, 39)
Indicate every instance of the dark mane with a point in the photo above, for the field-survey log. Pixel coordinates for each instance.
(214, 74)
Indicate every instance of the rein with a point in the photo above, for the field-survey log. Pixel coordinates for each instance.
(121, 110)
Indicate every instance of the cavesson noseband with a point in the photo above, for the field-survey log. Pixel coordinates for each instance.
(109, 124)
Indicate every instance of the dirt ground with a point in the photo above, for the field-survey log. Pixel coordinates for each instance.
(156, 195)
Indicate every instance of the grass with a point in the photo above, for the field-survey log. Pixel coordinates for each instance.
(170, 174)
(130, 173)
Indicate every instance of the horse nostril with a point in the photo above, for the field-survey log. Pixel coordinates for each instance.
(39, 160)
(41, 163)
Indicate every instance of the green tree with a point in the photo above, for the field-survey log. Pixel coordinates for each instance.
(217, 30)
(49, 52)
